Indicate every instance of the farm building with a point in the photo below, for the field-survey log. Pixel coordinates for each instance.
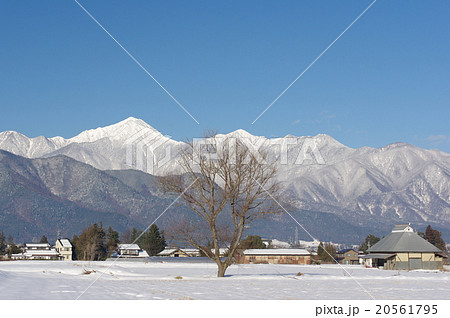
(274, 256)
(187, 252)
(173, 252)
(179, 252)
(403, 249)
(130, 251)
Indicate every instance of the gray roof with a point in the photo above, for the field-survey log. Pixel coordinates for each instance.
(400, 227)
(397, 242)
(378, 255)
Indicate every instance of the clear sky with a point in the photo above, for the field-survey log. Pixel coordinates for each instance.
(385, 80)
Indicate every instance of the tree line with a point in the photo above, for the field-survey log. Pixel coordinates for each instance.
(7, 245)
(96, 243)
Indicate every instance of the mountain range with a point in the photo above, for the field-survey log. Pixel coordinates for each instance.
(96, 174)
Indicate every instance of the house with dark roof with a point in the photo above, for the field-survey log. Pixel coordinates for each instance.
(404, 249)
(347, 256)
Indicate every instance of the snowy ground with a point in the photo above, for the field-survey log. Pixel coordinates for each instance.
(157, 280)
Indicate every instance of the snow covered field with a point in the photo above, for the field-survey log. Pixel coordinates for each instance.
(196, 280)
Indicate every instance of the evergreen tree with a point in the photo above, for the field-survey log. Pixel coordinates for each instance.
(134, 235)
(77, 251)
(43, 239)
(252, 241)
(10, 240)
(326, 253)
(320, 251)
(435, 238)
(371, 240)
(113, 240)
(13, 249)
(153, 241)
(2, 243)
(91, 245)
(331, 253)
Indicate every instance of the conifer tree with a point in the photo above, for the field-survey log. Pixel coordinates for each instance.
(77, 251)
(153, 241)
(13, 249)
(252, 241)
(43, 239)
(434, 237)
(10, 240)
(326, 253)
(370, 241)
(2, 243)
(113, 240)
(91, 245)
(134, 235)
(320, 251)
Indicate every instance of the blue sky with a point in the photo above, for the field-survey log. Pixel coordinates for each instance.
(385, 80)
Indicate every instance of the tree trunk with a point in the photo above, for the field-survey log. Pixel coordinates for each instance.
(221, 270)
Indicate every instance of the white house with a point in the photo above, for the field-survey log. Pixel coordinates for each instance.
(64, 248)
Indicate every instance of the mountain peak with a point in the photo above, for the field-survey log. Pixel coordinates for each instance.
(241, 132)
(132, 120)
(119, 131)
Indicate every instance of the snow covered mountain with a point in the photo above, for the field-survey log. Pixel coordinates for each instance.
(105, 148)
(392, 183)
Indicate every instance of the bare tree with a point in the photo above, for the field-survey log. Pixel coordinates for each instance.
(228, 186)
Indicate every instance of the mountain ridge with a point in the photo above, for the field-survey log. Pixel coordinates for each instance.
(397, 182)
(54, 195)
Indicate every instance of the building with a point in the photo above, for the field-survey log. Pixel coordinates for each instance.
(403, 249)
(64, 248)
(187, 252)
(37, 251)
(173, 252)
(130, 251)
(179, 252)
(37, 246)
(347, 256)
(274, 256)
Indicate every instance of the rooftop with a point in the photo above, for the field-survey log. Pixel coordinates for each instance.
(65, 242)
(129, 247)
(277, 251)
(402, 228)
(41, 252)
(403, 241)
